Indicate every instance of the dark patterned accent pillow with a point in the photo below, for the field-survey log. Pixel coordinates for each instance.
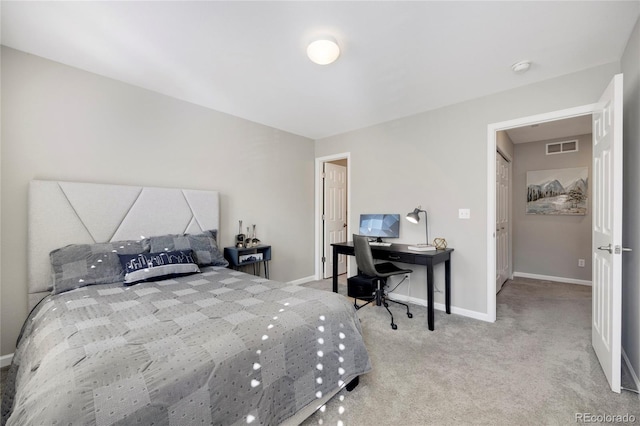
(157, 266)
(204, 246)
(79, 265)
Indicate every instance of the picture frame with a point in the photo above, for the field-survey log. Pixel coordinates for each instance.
(558, 191)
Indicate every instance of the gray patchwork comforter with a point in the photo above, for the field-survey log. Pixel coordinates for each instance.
(220, 347)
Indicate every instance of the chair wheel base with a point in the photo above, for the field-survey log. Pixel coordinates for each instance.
(393, 326)
(409, 314)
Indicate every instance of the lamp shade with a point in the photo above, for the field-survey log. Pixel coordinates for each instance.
(413, 216)
(323, 51)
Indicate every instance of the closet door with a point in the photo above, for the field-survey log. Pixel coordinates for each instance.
(503, 250)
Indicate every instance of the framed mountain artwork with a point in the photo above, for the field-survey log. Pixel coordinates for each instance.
(558, 191)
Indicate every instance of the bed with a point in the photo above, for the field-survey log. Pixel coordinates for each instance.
(216, 346)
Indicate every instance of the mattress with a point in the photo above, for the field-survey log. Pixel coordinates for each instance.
(219, 347)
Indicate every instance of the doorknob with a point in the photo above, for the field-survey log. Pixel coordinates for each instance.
(617, 249)
(607, 248)
(344, 225)
(621, 249)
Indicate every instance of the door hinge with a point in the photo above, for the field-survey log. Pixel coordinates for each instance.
(324, 259)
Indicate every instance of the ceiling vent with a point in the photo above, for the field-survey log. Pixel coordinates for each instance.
(563, 147)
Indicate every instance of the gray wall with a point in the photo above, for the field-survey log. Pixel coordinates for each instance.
(439, 159)
(62, 123)
(631, 219)
(549, 244)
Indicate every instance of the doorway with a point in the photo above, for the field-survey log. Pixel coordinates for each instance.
(492, 150)
(607, 220)
(549, 242)
(333, 200)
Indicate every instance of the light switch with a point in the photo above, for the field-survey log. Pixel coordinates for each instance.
(464, 214)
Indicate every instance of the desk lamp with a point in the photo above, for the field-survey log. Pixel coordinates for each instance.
(413, 217)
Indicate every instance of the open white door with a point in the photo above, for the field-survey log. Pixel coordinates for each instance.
(607, 232)
(335, 215)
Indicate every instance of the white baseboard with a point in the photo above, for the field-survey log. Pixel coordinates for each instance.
(551, 278)
(441, 307)
(634, 375)
(5, 360)
(303, 280)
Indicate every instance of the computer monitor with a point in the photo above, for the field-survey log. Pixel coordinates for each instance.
(380, 226)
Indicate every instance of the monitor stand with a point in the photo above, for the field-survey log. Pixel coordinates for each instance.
(378, 242)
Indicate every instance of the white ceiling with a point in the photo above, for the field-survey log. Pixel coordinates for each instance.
(248, 58)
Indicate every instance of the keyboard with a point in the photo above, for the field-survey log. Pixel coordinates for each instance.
(375, 243)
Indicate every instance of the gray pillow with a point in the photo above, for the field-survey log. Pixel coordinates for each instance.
(204, 246)
(79, 265)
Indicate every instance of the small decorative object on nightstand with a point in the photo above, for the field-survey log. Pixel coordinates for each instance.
(254, 239)
(247, 239)
(242, 257)
(240, 237)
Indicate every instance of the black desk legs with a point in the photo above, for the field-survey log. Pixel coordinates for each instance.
(430, 308)
(447, 291)
(447, 285)
(335, 270)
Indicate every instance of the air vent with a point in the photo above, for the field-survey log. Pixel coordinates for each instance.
(562, 147)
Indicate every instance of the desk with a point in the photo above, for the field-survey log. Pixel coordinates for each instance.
(401, 253)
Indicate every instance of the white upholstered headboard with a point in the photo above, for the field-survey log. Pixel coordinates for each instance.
(62, 213)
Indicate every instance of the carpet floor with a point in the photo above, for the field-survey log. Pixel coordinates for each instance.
(533, 366)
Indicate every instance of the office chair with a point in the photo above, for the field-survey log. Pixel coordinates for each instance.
(379, 273)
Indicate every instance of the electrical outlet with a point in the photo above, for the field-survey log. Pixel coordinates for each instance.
(581, 263)
(464, 214)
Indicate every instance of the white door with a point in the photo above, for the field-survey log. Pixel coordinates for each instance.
(502, 221)
(335, 215)
(607, 232)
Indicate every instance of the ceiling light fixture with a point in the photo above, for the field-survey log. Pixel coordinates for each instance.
(521, 66)
(323, 51)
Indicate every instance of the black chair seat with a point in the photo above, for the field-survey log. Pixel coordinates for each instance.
(388, 269)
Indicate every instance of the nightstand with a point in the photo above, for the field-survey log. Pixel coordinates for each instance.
(241, 257)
